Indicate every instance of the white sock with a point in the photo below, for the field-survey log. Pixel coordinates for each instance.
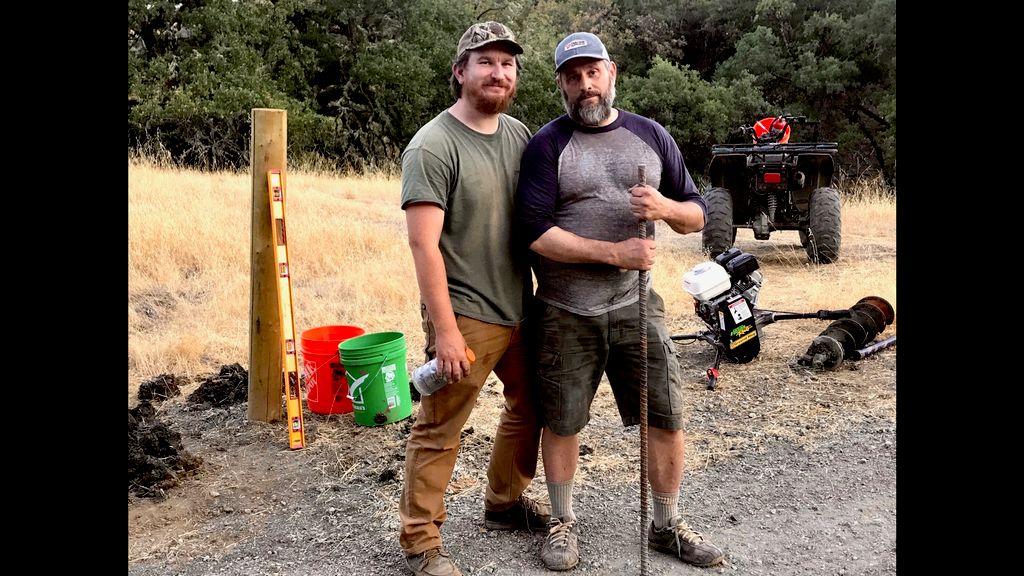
(560, 494)
(666, 507)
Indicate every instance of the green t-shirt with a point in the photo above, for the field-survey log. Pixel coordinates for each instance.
(473, 177)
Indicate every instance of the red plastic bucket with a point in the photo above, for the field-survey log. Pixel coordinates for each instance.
(326, 387)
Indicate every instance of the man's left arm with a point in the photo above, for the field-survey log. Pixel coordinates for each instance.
(649, 204)
(676, 200)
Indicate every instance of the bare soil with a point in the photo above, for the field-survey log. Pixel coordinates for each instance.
(790, 471)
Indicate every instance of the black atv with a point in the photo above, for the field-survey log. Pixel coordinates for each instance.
(771, 184)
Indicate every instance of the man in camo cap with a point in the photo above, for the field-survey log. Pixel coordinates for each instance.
(459, 174)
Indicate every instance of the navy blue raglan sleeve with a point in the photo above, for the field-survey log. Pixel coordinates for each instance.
(676, 182)
(537, 191)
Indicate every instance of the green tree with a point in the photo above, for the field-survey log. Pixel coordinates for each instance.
(191, 92)
(837, 65)
(697, 113)
(359, 77)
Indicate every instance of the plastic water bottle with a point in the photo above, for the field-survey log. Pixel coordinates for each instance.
(428, 380)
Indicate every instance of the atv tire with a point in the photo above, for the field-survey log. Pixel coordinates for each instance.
(825, 226)
(719, 234)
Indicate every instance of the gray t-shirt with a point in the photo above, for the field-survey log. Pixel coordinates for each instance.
(473, 176)
(578, 178)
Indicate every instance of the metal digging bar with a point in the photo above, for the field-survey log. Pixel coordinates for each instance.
(876, 347)
(641, 172)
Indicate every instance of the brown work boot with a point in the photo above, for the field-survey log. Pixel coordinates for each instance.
(688, 545)
(526, 513)
(433, 562)
(561, 550)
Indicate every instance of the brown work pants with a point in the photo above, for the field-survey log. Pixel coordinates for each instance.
(434, 442)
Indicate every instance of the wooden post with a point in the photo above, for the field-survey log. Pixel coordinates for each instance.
(269, 145)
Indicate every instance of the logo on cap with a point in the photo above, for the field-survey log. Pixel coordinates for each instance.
(579, 45)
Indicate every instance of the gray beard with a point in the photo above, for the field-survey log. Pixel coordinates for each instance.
(590, 115)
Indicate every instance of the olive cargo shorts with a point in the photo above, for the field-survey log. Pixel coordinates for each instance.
(575, 350)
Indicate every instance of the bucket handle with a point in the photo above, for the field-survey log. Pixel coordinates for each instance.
(356, 384)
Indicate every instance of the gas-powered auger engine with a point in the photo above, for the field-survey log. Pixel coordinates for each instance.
(725, 298)
(725, 294)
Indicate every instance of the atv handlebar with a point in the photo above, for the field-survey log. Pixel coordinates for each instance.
(774, 135)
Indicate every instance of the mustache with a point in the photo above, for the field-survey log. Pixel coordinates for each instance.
(582, 97)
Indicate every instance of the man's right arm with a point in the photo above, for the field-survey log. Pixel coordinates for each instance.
(564, 246)
(537, 200)
(425, 221)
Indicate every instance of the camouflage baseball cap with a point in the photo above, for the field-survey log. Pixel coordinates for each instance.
(484, 33)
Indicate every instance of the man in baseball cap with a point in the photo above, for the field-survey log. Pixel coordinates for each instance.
(478, 37)
(458, 180)
(578, 203)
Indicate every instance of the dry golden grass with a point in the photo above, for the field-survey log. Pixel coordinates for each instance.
(188, 265)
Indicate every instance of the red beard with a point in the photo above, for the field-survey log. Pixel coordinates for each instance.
(488, 102)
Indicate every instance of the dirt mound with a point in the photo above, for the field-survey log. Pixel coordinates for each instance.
(161, 388)
(156, 458)
(230, 386)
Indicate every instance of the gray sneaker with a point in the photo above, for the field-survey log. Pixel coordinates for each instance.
(433, 562)
(561, 549)
(686, 544)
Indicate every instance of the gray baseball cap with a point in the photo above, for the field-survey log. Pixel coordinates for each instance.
(484, 33)
(579, 45)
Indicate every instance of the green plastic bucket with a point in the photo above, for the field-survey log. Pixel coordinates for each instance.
(377, 381)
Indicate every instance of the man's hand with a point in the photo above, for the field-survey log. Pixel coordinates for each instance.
(635, 254)
(647, 203)
(452, 361)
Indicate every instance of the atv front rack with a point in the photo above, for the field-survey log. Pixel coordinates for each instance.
(801, 148)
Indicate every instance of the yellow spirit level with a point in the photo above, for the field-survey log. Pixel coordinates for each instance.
(289, 364)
